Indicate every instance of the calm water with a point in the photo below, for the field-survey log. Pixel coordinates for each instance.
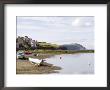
(74, 63)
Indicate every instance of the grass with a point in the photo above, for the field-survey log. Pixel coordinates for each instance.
(62, 51)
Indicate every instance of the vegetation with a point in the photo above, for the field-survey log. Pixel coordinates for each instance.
(27, 44)
(47, 46)
(40, 51)
(63, 51)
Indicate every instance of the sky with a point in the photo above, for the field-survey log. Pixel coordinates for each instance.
(58, 29)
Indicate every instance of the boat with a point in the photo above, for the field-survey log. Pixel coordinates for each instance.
(36, 61)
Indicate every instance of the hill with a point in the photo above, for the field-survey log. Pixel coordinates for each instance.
(74, 46)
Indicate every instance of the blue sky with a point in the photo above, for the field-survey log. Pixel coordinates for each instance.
(58, 29)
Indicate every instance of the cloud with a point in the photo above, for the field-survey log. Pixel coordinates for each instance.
(60, 23)
(83, 22)
(76, 22)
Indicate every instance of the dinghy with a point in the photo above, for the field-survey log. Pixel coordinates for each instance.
(36, 61)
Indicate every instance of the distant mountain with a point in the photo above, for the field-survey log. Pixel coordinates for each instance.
(74, 46)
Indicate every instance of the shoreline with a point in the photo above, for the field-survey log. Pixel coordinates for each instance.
(25, 67)
(59, 51)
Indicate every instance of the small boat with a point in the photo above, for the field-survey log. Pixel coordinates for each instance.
(36, 61)
(27, 53)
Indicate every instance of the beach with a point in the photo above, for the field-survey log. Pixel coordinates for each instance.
(26, 67)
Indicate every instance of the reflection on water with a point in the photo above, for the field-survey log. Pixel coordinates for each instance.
(74, 63)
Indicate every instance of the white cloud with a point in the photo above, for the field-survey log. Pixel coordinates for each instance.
(76, 22)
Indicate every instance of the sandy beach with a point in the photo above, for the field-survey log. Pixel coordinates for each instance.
(26, 67)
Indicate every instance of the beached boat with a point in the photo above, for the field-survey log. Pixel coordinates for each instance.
(36, 61)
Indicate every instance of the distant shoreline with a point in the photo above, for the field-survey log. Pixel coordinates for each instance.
(60, 51)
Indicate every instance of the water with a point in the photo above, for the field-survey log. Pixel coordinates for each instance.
(74, 63)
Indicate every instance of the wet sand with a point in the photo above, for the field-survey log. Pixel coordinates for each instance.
(26, 67)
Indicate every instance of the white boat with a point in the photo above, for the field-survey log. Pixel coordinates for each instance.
(35, 61)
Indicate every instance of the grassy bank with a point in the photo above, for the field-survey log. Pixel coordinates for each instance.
(62, 51)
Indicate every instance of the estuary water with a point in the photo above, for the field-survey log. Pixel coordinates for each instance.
(81, 63)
